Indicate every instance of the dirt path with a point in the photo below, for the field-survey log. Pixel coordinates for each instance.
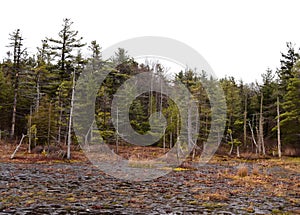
(83, 189)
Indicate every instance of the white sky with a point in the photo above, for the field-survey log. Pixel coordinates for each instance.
(237, 38)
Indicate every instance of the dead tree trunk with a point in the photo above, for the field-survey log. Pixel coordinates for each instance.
(164, 141)
(171, 134)
(253, 137)
(261, 126)
(231, 140)
(245, 122)
(13, 155)
(49, 124)
(13, 121)
(150, 95)
(238, 151)
(16, 39)
(278, 129)
(59, 123)
(38, 93)
(71, 118)
(189, 128)
(29, 130)
(258, 140)
(117, 132)
(177, 140)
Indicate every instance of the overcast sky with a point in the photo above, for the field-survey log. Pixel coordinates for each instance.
(237, 38)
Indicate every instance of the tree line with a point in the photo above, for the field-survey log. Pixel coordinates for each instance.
(36, 97)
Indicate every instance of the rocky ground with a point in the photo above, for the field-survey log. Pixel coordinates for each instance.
(268, 187)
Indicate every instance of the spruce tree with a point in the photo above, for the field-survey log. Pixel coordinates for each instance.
(19, 54)
(290, 118)
(63, 48)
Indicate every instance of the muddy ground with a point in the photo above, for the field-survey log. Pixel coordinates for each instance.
(270, 187)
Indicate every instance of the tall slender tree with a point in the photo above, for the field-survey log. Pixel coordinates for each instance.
(290, 118)
(287, 62)
(64, 47)
(18, 53)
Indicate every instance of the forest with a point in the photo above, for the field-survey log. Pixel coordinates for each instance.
(46, 167)
(262, 117)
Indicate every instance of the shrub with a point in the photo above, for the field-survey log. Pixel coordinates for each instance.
(255, 170)
(242, 171)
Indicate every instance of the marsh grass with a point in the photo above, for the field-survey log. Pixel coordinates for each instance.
(243, 170)
(255, 170)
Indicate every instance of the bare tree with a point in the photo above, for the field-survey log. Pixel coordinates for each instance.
(29, 130)
(71, 118)
(261, 126)
(231, 141)
(278, 129)
(18, 52)
(253, 137)
(49, 123)
(245, 120)
(117, 132)
(13, 155)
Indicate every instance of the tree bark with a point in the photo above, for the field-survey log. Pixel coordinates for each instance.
(231, 140)
(17, 44)
(29, 131)
(253, 137)
(13, 121)
(258, 140)
(117, 132)
(59, 123)
(49, 124)
(37, 93)
(164, 141)
(170, 145)
(70, 118)
(261, 126)
(177, 139)
(13, 155)
(189, 128)
(231, 149)
(245, 122)
(278, 129)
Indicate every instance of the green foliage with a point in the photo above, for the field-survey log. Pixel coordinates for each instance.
(234, 106)
(290, 122)
(6, 100)
(288, 61)
(43, 82)
(63, 48)
(44, 124)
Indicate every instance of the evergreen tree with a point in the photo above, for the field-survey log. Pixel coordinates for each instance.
(15, 70)
(64, 47)
(268, 90)
(290, 122)
(96, 56)
(234, 122)
(5, 101)
(287, 62)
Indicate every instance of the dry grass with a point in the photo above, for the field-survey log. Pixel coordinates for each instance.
(139, 152)
(227, 171)
(22, 155)
(136, 163)
(243, 170)
(255, 170)
(217, 196)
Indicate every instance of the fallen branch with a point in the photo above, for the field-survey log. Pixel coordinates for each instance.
(13, 155)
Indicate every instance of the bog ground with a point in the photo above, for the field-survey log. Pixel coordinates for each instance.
(223, 186)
